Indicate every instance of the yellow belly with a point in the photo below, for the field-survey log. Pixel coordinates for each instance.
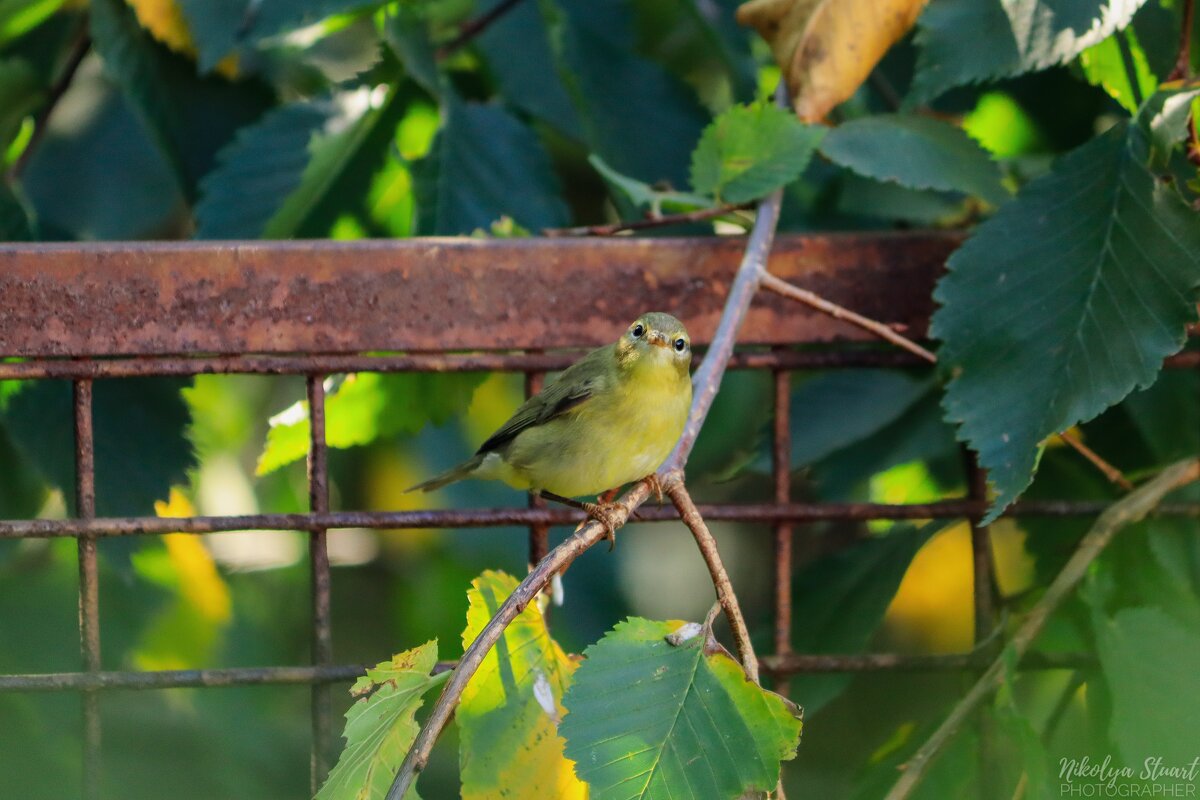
(614, 438)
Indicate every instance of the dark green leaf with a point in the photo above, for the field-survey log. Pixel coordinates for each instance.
(407, 33)
(840, 600)
(643, 711)
(14, 219)
(20, 93)
(966, 41)
(485, 164)
(915, 151)
(749, 151)
(141, 446)
(1149, 662)
(216, 27)
(863, 197)
(643, 196)
(1064, 302)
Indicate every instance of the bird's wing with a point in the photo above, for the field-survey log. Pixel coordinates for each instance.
(572, 387)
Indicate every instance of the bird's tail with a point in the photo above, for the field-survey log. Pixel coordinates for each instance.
(451, 475)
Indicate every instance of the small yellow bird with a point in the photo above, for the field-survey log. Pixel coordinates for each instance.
(609, 419)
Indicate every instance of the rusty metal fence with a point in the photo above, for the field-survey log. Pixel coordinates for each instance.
(111, 311)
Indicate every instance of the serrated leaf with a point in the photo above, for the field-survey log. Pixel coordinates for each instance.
(1149, 662)
(381, 725)
(827, 48)
(648, 719)
(1063, 303)
(840, 600)
(140, 443)
(967, 41)
(366, 407)
(749, 151)
(481, 153)
(916, 151)
(1104, 66)
(509, 712)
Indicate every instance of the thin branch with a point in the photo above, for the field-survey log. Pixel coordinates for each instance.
(1113, 474)
(473, 27)
(705, 384)
(708, 549)
(79, 49)
(659, 221)
(1126, 511)
(780, 286)
(1183, 61)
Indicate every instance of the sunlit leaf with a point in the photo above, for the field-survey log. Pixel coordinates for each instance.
(1104, 65)
(368, 406)
(749, 151)
(967, 41)
(1088, 279)
(509, 713)
(381, 725)
(643, 713)
(915, 151)
(827, 48)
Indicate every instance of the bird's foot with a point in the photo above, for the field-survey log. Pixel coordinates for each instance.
(655, 485)
(609, 515)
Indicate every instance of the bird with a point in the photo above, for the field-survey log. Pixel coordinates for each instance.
(609, 419)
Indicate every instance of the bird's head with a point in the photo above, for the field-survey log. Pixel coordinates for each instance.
(655, 339)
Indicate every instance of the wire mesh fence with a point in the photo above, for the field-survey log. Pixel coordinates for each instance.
(110, 312)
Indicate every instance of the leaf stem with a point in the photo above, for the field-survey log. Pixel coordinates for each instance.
(1183, 61)
(659, 221)
(473, 27)
(1126, 511)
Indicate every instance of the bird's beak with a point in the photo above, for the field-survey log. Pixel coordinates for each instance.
(656, 338)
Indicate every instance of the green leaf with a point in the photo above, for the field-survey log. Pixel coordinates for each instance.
(381, 725)
(368, 406)
(407, 34)
(18, 17)
(1064, 302)
(966, 41)
(650, 719)
(141, 447)
(467, 181)
(749, 151)
(1104, 65)
(863, 197)
(643, 196)
(20, 94)
(189, 117)
(509, 712)
(840, 600)
(1165, 119)
(636, 115)
(256, 172)
(916, 151)
(14, 219)
(1149, 662)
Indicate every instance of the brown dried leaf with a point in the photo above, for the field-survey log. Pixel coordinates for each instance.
(827, 48)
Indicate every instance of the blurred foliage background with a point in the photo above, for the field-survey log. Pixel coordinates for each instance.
(351, 119)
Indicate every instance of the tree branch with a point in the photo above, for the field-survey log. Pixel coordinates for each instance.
(659, 221)
(705, 383)
(1125, 511)
(1183, 61)
(473, 27)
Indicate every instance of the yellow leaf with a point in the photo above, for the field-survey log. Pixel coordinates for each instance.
(827, 48)
(200, 584)
(509, 713)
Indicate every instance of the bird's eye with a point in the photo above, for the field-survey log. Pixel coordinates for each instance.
(680, 345)
(638, 330)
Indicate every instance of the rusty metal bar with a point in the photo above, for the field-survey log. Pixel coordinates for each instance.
(89, 582)
(539, 532)
(781, 470)
(797, 663)
(492, 517)
(134, 298)
(318, 552)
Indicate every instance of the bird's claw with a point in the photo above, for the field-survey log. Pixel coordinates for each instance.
(608, 515)
(656, 486)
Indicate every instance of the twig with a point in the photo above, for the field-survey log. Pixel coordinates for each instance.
(705, 384)
(780, 286)
(473, 27)
(79, 49)
(660, 221)
(1113, 474)
(1125, 511)
(679, 495)
(1183, 61)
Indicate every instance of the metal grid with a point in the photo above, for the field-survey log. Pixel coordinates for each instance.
(85, 313)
